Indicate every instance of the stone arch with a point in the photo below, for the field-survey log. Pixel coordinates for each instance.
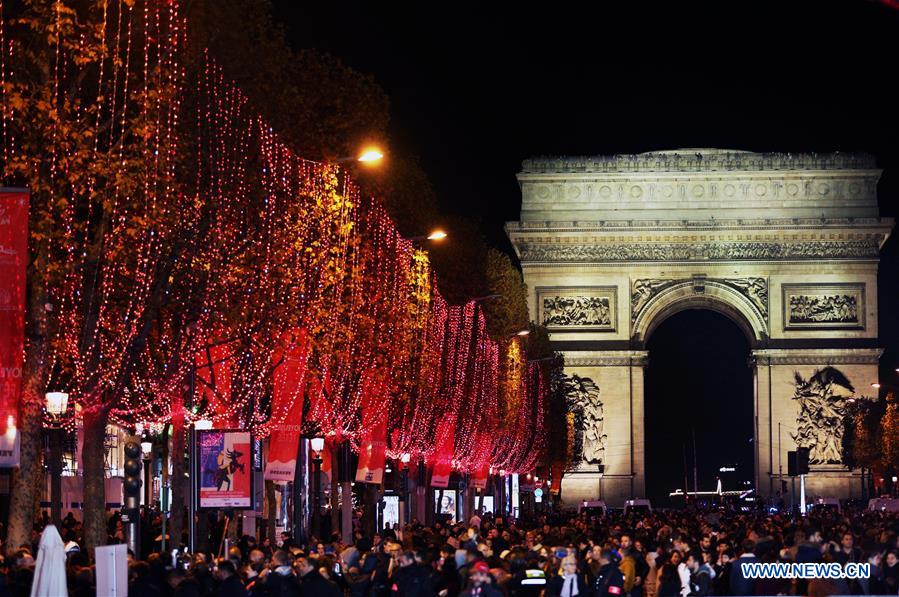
(701, 294)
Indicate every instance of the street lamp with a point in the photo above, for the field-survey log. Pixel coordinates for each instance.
(57, 403)
(405, 457)
(523, 333)
(318, 444)
(369, 155)
(436, 234)
(146, 449)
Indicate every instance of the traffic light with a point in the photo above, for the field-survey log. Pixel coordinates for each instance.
(131, 490)
(132, 484)
(802, 460)
(797, 462)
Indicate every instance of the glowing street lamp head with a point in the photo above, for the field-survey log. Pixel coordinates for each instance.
(875, 385)
(318, 444)
(371, 154)
(57, 403)
(523, 333)
(437, 235)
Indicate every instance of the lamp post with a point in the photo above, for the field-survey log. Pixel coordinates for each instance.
(200, 425)
(146, 450)
(57, 403)
(405, 457)
(317, 444)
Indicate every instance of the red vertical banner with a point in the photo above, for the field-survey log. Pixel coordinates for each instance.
(372, 455)
(479, 477)
(288, 389)
(443, 462)
(13, 263)
(557, 469)
(214, 377)
(373, 447)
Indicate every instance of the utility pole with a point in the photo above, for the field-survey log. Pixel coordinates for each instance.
(695, 465)
(780, 468)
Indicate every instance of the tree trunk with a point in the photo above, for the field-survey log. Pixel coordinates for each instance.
(28, 480)
(95, 532)
(177, 481)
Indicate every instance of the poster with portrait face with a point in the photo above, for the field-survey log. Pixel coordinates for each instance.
(226, 469)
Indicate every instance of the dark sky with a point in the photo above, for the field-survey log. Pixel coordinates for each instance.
(477, 87)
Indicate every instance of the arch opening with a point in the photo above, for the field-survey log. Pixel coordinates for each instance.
(698, 384)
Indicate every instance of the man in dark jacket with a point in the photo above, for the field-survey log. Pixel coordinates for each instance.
(279, 580)
(229, 582)
(701, 575)
(480, 582)
(410, 579)
(739, 583)
(313, 584)
(609, 579)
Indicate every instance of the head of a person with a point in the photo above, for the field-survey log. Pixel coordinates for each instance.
(225, 569)
(847, 540)
(569, 565)
(625, 542)
(693, 561)
(405, 559)
(814, 536)
(280, 558)
(748, 546)
(675, 558)
(606, 556)
(892, 558)
(256, 556)
(480, 574)
(304, 565)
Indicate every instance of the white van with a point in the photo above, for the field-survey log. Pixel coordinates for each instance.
(884, 504)
(592, 508)
(638, 505)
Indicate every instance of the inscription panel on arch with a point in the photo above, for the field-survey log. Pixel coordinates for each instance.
(824, 306)
(578, 308)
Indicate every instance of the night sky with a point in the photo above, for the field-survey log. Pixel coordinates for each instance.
(477, 87)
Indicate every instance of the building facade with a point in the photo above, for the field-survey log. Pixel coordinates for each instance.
(785, 245)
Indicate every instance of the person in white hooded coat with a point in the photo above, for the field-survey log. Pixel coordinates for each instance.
(50, 568)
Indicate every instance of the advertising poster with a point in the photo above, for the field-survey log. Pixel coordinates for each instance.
(226, 469)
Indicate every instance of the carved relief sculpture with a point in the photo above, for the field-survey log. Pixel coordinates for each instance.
(578, 308)
(824, 306)
(822, 404)
(582, 395)
(755, 289)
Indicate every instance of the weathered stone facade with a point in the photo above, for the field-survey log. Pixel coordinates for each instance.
(786, 245)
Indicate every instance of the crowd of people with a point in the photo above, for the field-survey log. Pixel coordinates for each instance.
(649, 554)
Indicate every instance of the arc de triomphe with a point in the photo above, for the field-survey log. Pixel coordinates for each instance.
(785, 245)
